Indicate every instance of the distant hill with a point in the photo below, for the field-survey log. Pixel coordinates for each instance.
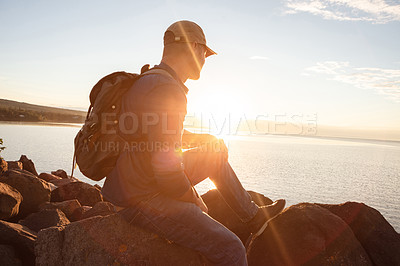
(26, 112)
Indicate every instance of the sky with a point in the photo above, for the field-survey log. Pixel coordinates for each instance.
(335, 60)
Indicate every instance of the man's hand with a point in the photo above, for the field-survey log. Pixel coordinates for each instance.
(205, 141)
(192, 140)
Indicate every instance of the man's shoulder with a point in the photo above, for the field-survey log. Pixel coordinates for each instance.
(154, 88)
(156, 79)
(157, 84)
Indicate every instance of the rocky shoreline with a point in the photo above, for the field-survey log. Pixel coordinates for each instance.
(55, 219)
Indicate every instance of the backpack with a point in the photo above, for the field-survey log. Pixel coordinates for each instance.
(95, 151)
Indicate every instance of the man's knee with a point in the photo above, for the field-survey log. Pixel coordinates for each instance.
(219, 149)
(206, 156)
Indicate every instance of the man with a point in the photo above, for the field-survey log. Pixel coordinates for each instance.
(155, 184)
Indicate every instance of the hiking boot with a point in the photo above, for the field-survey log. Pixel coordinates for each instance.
(265, 214)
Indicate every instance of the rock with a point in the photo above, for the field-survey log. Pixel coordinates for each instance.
(49, 245)
(86, 194)
(34, 190)
(3, 166)
(220, 211)
(44, 219)
(28, 165)
(14, 165)
(307, 234)
(52, 186)
(10, 200)
(78, 213)
(21, 238)
(108, 241)
(61, 182)
(8, 256)
(76, 179)
(61, 173)
(68, 207)
(100, 208)
(49, 177)
(376, 235)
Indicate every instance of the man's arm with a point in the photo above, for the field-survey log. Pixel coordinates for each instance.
(206, 142)
(192, 140)
(169, 105)
(163, 125)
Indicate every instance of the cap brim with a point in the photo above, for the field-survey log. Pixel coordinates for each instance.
(209, 51)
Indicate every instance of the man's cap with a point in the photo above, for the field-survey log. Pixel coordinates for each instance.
(186, 31)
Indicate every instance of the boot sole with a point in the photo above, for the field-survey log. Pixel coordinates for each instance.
(264, 226)
(260, 231)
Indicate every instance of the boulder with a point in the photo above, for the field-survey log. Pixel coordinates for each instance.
(52, 186)
(307, 234)
(86, 194)
(61, 182)
(76, 179)
(49, 177)
(10, 200)
(44, 219)
(68, 207)
(60, 172)
(3, 165)
(78, 213)
(28, 165)
(108, 240)
(100, 208)
(376, 235)
(14, 165)
(49, 246)
(8, 256)
(21, 238)
(220, 211)
(34, 190)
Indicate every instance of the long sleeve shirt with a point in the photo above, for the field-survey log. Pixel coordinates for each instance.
(152, 114)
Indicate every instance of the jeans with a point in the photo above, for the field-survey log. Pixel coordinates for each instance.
(185, 224)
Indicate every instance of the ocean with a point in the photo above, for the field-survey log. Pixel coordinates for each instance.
(296, 168)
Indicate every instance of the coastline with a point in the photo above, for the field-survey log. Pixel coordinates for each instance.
(239, 135)
(64, 124)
